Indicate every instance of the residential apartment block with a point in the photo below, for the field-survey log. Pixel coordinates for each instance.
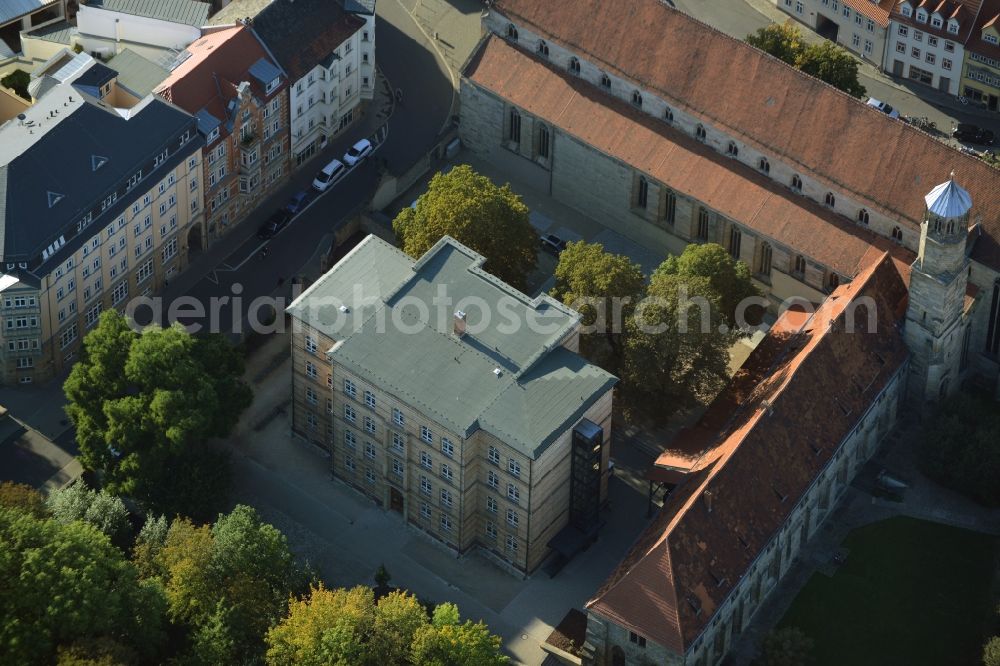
(981, 73)
(327, 50)
(97, 202)
(482, 428)
(240, 99)
(926, 41)
(859, 26)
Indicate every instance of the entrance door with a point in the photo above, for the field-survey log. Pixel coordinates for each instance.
(395, 500)
(944, 83)
(897, 67)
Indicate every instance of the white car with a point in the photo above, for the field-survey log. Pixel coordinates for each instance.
(358, 152)
(883, 107)
(330, 174)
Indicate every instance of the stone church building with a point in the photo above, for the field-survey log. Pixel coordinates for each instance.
(671, 133)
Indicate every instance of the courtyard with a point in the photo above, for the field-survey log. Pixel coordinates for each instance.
(910, 592)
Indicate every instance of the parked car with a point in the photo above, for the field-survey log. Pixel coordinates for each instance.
(883, 107)
(358, 152)
(278, 221)
(553, 244)
(329, 175)
(298, 201)
(973, 134)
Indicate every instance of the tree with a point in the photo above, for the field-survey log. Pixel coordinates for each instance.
(144, 406)
(65, 583)
(228, 583)
(787, 647)
(728, 278)
(24, 497)
(18, 81)
(104, 511)
(782, 41)
(674, 353)
(831, 63)
(491, 220)
(991, 652)
(447, 642)
(382, 576)
(603, 287)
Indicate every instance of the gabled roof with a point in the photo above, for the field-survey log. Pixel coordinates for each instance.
(12, 9)
(301, 33)
(963, 11)
(188, 12)
(773, 430)
(852, 148)
(518, 384)
(989, 16)
(672, 157)
(876, 10)
(137, 74)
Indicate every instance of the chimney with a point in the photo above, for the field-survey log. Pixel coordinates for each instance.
(708, 500)
(459, 323)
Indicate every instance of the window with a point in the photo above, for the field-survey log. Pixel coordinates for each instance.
(637, 98)
(764, 165)
(491, 530)
(796, 183)
(514, 467)
(699, 133)
(67, 337)
(491, 504)
(425, 486)
(870, 26)
(574, 65)
(447, 447)
(702, 224)
(929, 58)
(900, 47)
(493, 479)
(425, 511)
(514, 133)
(350, 415)
(830, 200)
(311, 397)
(511, 543)
(350, 388)
(370, 425)
(511, 32)
(946, 63)
(445, 523)
(426, 434)
(425, 460)
(513, 494)
(669, 206)
(447, 473)
(732, 149)
(144, 272)
(735, 242)
(637, 639)
(369, 475)
(369, 400)
(542, 49)
(397, 417)
(369, 451)
(949, 46)
(863, 216)
(119, 293)
(897, 234)
(397, 467)
(932, 40)
(494, 455)
(543, 141)
(800, 265)
(350, 439)
(915, 52)
(936, 21)
(668, 115)
(446, 498)
(764, 266)
(642, 193)
(398, 443)
(605, 81)
(512, 518)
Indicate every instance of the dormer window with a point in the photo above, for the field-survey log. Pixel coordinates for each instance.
(922, 15)
(991, 38)
(605, 81)
(907, 11)
(863, 216)
(732, 149)
(213, 135)
(953, 26)
(637, 98)
(764, 165)
(574, 65)
(897, 234)
(830, 200)
(796, 183)
(699, 133)
(272, 85)
(936, 21)
(542, 48)
(668, 115)
(511, 32)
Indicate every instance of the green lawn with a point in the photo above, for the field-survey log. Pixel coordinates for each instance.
(910, 593)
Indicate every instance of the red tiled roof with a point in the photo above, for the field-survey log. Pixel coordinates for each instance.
(615, 128)
(989, 15)
(751, 96)
(877, 12)
(799, 394)
(964, 11)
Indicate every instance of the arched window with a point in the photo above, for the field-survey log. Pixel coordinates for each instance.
(669, 206)
(642, 194)
(514, 130)
(735, 242)
(511, 31)
(668, 115)
(699, 133)
(764, 266)
(796, 183)
(764, 165)
(800, 265)
(637, 98)
(605, 81)
(732, 149)
(542, 48)
(574, 65)
(543, 141)
(951, 227)
(863, 216)
(897, 234)
(830, 200)
(937, 225)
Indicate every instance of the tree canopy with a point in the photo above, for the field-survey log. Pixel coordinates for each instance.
(788, 646)
(144, 406)
(101, 509)
(471, 209)
(825, 60)
(24, 497)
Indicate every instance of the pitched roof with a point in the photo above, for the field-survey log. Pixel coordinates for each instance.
(673, 158)
(876, 10)
(188, 12)
(137, 74)
(782, 112)
(11, 9)
(773, 430)
(989, 16)
(301, 33)
(518, 384)
(964, 11)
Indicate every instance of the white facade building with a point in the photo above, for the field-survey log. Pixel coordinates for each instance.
(926, 47)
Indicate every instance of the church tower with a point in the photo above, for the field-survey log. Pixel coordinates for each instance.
(934, 329)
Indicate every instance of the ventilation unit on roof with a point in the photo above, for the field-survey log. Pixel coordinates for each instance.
(498, 372)
(344, 308)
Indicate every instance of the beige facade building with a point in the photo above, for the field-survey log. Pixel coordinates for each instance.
(467, 423)
(97, 202)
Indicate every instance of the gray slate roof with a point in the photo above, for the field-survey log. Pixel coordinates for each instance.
(59, 33)
(137, 74)
(188, 12)
(396, 336)
(52, 162)
(11, 9)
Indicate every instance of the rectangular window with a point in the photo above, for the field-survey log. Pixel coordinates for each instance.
(426, 434)
(425, 460)
(446, 473)
(397, 417)
(350, 388)
(369, 399)
(425, 486)
(512, 518)
(398, 443)
(513, 493)
(349, 414)
(492, 479)
(311, 370)
(702, 224)
(350, 439)
(491, 504)
(370, 451)
(514, 467)
(369, 425)
(494, 455)
(447, 447)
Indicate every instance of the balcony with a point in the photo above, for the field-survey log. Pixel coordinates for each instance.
(248, 140)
